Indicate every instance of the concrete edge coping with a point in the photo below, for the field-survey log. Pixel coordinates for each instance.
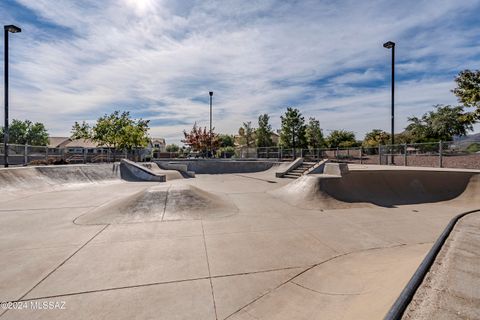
(401, 304)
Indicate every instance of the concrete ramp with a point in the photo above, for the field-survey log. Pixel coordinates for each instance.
(170, 174)
(132, 171)
(162, 204)
(380, 187)
(38, 178)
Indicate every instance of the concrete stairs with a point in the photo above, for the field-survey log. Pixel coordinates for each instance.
(296, 173)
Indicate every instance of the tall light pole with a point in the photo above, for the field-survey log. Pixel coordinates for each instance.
(211, 147)
(391, 45)
(7, 29)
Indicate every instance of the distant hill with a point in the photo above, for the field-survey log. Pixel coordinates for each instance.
(469, 138)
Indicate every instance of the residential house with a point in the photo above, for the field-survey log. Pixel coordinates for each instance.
(158, 144)
(58, 142)
(79, 145)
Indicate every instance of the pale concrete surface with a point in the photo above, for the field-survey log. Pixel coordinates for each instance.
(257, 256)
(451, 289)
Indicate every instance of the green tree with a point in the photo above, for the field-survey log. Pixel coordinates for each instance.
(226, 152)
(226, 140)
(172, 148)
(292, 134)
(375, 137)
(263, 134)
(246, 133)
(341, 139)
(27, 132)
(81, 131)
(443, 123)
(116, 130)
(314, 135)
(468, 91)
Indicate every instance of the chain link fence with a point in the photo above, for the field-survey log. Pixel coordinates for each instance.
(451, 154)
(462, 155)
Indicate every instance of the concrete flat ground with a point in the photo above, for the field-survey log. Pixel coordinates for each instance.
(257, 257)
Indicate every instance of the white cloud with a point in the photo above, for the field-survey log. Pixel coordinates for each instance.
(161, 58)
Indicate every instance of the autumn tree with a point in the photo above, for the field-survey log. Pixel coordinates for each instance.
(201, 140)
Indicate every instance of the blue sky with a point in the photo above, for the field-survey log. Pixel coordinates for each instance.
(76, 60)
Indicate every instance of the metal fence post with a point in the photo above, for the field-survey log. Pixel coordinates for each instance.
(379, 154)
(25, 155)
(361, 156)
(281, 153)
(84, 155)
(405, 155)
(440, 154)
(46, 153)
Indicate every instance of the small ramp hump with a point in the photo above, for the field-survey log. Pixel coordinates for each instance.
(132, 171)
(162, 203)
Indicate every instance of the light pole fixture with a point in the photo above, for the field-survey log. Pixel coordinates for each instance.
(7, 29)
(391, 45)
(211, 146)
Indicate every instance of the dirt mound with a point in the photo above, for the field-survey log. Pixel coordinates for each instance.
(162, 204)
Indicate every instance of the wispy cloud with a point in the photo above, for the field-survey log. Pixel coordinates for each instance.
(158, 59)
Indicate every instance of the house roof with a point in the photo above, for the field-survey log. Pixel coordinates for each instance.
(158, 140)
(55, 142)
(82, 143)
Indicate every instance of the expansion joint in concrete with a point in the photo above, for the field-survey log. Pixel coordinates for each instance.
(64, 261)
(209, 272)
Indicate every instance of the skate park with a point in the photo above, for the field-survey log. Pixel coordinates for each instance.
(213, 239)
